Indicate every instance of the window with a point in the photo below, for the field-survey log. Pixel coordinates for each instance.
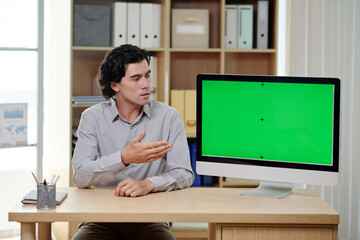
(21, 82)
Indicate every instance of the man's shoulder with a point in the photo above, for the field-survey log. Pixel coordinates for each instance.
(160, 107)
(97, 109)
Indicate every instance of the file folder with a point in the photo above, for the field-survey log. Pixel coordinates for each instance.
(119, 23)
(146, 25)
(231, 12)
(262, 24)
(133, 24)
(245, 26)
(177, 101)
(154, 78)
(156, 25)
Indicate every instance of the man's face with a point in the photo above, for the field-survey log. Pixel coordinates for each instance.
(134, 87)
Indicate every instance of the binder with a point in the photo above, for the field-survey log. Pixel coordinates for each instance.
(145, 25)
(245, 26)
(133, 23)
(207, 181)
(231, 13)
(177, 101)
(197, 179)
(119, 23)
(190, 112)
(262, 24)
(150, 20)
(156, 25)
(154, 78)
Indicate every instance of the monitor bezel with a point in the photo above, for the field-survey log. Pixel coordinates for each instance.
(280, 79)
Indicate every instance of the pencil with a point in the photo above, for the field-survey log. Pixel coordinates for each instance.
(35, 178)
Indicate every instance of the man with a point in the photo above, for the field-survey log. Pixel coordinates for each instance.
(130, 143)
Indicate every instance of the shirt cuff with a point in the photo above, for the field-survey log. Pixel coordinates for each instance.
(114, 162)
(158, 183)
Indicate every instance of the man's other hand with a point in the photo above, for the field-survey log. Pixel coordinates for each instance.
(133, 188)
(138, 152)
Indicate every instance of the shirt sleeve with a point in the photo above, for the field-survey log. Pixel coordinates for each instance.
(89, 170)
(178, 172)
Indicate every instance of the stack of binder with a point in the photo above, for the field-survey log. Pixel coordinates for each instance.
(200, 180)
(89, 99)
(137, 24)
(239, 25)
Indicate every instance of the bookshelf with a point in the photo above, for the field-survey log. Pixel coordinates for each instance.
(178, 67)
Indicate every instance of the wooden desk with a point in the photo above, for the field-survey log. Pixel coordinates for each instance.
(302, 215)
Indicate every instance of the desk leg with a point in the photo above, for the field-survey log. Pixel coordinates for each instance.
(214, 231)
(44, 230)
(28, 231)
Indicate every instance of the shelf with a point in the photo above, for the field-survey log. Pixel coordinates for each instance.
(178, 67)
(106, 49)
(75, 105)
(250, 50)
(194, 50)
(89, 48)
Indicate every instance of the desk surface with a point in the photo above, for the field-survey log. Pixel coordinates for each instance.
(221, 205)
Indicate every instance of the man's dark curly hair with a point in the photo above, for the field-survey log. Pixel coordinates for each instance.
(114, 65)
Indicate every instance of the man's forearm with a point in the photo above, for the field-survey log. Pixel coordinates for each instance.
(88, 173)
(175, 179)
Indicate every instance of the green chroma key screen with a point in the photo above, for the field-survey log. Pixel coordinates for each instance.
(268, 121)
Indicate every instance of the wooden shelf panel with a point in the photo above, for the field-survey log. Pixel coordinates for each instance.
(85, 67)
(185, 66)
(254, 51)
(106, 49)
(249, 63)
(194, 50)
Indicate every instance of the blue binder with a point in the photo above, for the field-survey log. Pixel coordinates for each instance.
(197, 180)
(207, 181)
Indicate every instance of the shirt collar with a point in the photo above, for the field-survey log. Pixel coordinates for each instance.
(146, 110)
(115, 113)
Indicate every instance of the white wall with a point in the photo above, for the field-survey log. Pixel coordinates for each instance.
(57, 95)
(57, 89)
(323, 39)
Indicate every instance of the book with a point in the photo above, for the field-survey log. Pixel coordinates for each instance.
(31, 197)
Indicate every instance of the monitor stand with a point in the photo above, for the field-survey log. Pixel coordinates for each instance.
(270, 190)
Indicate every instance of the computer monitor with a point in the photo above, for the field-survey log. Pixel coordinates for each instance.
(268, 128)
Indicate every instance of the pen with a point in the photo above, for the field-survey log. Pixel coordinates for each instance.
(56, 179)
(52, 179)
(35, 178)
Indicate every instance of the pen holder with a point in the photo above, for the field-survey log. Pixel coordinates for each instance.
(46, 196)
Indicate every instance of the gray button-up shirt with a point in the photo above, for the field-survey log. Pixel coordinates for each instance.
(102, 134)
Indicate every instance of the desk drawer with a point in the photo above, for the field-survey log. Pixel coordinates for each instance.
(277, 233)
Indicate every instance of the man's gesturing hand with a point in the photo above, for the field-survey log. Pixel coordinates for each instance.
(138, 152)
(133, 188)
